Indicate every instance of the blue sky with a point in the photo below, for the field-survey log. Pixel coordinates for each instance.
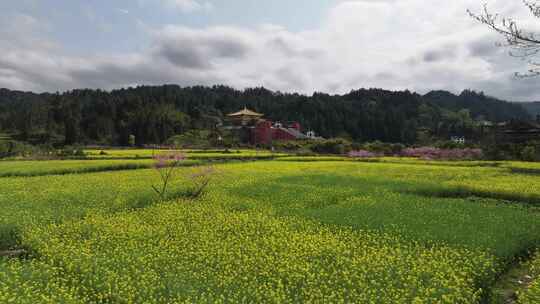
(100, 25)
(301, 46)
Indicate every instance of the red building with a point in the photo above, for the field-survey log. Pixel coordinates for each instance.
(263, 131)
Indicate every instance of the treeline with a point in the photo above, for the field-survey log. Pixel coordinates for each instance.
(153, 114)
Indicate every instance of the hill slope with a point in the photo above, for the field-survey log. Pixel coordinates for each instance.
(479, 105)
(532, 107)
(155, 113)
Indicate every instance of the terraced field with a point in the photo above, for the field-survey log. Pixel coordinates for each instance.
(53, 167)
(289, 230)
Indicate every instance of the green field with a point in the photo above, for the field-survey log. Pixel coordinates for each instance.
(51, 167)
(317, 229)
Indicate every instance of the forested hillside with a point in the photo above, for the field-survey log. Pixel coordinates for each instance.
(155, 113)
(481, 107)
(532, 107)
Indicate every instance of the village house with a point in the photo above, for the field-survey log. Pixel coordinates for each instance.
(458, 139)
(517, 132)
(250, 127)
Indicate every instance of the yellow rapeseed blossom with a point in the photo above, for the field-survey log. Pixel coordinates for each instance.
(332, 231)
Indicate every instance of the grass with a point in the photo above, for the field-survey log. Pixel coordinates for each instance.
(276, 231)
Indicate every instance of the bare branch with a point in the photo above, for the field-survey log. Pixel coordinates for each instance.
(533, 7)
(523, 44)
(507, 27)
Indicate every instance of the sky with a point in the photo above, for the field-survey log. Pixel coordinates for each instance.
(300, 46)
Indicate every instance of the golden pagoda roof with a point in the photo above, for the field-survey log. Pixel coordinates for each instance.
(245, 112)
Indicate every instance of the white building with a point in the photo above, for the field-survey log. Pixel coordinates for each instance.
(458, 139)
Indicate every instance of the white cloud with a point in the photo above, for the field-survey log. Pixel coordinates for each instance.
(186, 6)
(408, 44)
(190, 5)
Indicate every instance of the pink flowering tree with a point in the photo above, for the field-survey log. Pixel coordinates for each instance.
(166, 165)
(430, 153)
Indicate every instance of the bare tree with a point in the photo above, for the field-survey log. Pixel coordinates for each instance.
(523, 44)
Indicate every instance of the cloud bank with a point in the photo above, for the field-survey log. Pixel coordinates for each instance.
(408, 44)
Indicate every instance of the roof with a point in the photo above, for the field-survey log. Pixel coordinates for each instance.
(245, 112)
(297, 134)
(522, 125)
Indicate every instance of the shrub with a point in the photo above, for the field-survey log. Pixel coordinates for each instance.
(131, 140)
(332, 146)
(384, 148)
(446, 154)
(289, 145)
(448, 144)
(195, 139)
(71, 152)
(13, 148)
(529, 153)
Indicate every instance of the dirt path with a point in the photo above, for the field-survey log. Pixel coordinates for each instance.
(515, 278)
(13, 253)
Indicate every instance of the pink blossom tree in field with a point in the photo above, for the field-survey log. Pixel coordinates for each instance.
(166, 165)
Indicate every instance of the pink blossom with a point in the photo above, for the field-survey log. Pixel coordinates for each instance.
(431, 153)
(163, 160)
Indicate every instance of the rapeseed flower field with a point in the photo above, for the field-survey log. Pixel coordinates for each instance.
(330, 231)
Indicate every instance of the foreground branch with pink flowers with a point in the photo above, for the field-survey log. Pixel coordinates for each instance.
(166, 164)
